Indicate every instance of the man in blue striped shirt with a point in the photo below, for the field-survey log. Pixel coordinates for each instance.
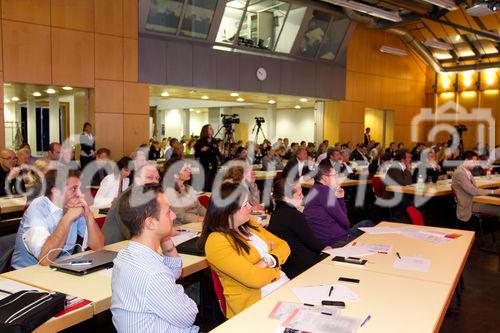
(145, 296)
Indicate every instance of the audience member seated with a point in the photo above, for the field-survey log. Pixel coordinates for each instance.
(145, 295)
(113, 184)
(140, 157)
(245, 256)
(243, 173)
(271, 162)
(23, 156)
(32, 159)
(154, 151)
(10, 180)
(34, 179)
(334, 159)
(67, 159)
(101, 163)
(392, 150)
(114, 230)
(169, 151)
(326, 212)
(54, 154)
(51, 224)
(346, 167)
(359, 155)
(400, 171)
(182, 197)
(297, 166)
(288, 223)
(465, 188)
(427, 167)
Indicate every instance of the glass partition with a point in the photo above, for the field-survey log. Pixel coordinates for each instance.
(290, 28)
(314, 34)
(197, 18)
(230, 23)
(164, 16)
(336, 32)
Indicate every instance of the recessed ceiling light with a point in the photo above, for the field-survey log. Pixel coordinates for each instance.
(7, 84)
(67, 88)
(165, 94)
(6, 100)
(234, 94)
(240, 99)
(50, 91)
(198, 111)
(191, 109)
(303, 100)
(271, 101)
(15, 99)
(37, 94)
(204, 97)
(297, 106)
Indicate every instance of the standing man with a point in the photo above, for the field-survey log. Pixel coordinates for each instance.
(145, 295)
(87, 146)
(51, 224)
(367, 138)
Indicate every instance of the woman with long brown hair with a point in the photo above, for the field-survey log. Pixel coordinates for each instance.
(208, 153)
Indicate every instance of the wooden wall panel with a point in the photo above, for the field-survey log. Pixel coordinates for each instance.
(2, 128)
(109, 17)
(108, 96)
(32, 11)
(135, 98)
(1, 55)
(130, 65)
(109, 133)
(72, 58)
(73, 14)
(136, 128)
(109, 57)
(130, 18)
(26, 52)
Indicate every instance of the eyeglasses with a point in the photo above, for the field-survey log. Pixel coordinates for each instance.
(9, 158)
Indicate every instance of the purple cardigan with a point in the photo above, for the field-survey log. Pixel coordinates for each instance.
(326, 215)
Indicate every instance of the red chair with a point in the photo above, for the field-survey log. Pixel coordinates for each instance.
(100, 221)
(219, 292)
(415, 216)
(204, 200)
(378, 186)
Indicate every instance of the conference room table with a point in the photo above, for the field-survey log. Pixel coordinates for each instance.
(12, 203)
(96, 286)
(443, 187)
(397, 300)
(486, 199)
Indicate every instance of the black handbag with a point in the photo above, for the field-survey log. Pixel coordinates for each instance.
(25, 310)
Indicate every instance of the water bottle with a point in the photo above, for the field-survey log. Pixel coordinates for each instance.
(420, 183)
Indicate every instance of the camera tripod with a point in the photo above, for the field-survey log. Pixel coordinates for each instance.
(258, 125)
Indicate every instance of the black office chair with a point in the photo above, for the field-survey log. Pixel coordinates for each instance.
(7, 244)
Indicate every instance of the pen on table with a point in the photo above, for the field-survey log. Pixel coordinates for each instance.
(365, 321)
(397, 253)
(330, 293)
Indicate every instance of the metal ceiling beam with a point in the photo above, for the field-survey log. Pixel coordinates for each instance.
(471, 58)
(483, 33)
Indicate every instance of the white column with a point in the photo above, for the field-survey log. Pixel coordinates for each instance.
(319, 110)
(186, 130)
(53, 118)
(271, 123)
(31, 123)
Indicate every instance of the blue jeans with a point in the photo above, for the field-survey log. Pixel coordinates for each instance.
(354, 231)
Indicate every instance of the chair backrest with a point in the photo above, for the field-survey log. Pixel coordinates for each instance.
(204, 200)
(416, 216)
(100, 221)
(378, 186)
(219, 292)
(7, 244)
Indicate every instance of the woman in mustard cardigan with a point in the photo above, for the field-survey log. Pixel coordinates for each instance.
(244, 255)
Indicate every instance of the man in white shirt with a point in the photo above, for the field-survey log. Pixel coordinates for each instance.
(51, 223)
(297, 166)
(145, 296)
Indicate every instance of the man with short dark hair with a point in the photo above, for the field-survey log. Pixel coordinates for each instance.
(298, 165)
(271, 162)
(359, 155)
(333, 158)
(51, 224)
(465, 188)
(145, 296)
(400, 171)
(10, 174)
(54, 154)
(367, 138)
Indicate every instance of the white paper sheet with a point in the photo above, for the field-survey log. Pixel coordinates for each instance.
(416, 263)
(349, 251)
(380, 230)
(307, 321)
(183, 236)
(283, 310)
(316, 294)
(13, 287)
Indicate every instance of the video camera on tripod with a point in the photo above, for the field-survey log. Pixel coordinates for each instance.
(230, 119)
(259, 120)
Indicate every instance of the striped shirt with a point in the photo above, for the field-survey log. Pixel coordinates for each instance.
(145, 297)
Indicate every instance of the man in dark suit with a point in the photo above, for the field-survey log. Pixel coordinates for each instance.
(333, 158)
(298, 165)
(392, 150)
(359, 155)
(367, 138)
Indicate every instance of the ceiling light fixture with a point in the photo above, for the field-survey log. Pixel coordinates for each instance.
(198, 111)
(271, 101)
(446, 4)
(204, 97)
(37, 94)
(234, 94)
(393, 50)
(15, 99)
(191, 109)
(435, 44)
(240, 99)
(367, 9)
(303, 100)
(165, 94)
(297, 107)
(50, 91)
(6, 100)
(67, 88)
